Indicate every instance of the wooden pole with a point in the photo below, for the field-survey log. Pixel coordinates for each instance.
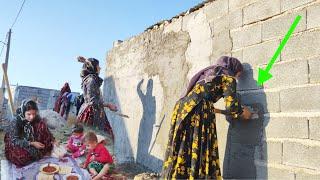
(8, 88)
(2, 90)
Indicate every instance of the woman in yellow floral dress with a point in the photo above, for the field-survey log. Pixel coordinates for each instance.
(192, 150)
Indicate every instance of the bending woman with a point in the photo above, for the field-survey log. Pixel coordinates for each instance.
(192, 150)
(28, 138)
(92, 110)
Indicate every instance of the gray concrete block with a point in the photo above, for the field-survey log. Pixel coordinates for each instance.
(238, 4)
(278, 27)
(248, 79)
(291, 4)
(314, 67)
(313, 20)
(260, 53)
(237, 54)
(246, 36)
(246, 132)
(260, 10)
(300, 99)
(216, 9)
(240, 162)
(221, 44)
(174, 26)
(270, 152)
(221, 24)
(272, 173)
(301, 155)
(269, 100)
(314, 125)
(302, 46)
(307, 176)
(235, 19)
(283, 74)
(287, 127)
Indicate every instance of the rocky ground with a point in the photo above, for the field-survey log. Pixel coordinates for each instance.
(61, 131)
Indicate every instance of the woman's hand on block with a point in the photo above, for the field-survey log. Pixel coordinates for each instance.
(246, 113)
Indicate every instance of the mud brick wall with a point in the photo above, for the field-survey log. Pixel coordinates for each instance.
(146, 74)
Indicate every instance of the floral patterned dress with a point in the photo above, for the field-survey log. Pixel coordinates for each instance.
(192, 150)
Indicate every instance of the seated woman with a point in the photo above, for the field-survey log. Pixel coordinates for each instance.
(28, 139)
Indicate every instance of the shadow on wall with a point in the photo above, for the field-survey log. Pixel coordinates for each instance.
(146, 128)
(246, 148)
(122, 148)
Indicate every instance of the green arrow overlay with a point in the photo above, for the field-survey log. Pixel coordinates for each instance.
(264, 75)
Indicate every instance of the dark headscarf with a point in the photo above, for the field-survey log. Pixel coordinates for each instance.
(225, 65)
(64, 89)
(89, 67)
(24, 126)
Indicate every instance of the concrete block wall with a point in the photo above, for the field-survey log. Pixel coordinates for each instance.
(146, 74)
(46, 98)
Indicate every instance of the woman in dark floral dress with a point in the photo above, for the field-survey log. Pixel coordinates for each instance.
(28, 139)
(92, 110)
(192, 150)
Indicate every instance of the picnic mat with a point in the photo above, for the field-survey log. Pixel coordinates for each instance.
(31, 172)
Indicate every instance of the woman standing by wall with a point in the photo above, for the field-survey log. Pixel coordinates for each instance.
(92, 111)
(192, 150)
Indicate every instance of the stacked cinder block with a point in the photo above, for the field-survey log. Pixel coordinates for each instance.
(289, 144)
(284, 143)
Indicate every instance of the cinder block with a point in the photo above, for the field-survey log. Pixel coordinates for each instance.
(314, 67)
(216, 9)
(248, 78)
(302, 46)
(246, 36)
(174, 26)
(306, 176)
(272, 173)
(278, 27)
(301, 155)
(240, 161)
(221, 24)
(260, 10)
(238, 4)
(287, 127)
(246, 132)
(237, 54)
(269, 100)
(260, 53)
(314, 125)
(283, 74)
(235, 19)
(313, 20)
(270, 152)
(300, 99)
(221, 44)
(291, 4)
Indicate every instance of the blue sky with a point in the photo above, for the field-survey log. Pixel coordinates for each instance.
(50, 34)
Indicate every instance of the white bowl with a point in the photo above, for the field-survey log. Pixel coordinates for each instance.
(72, 174)
(53, 165)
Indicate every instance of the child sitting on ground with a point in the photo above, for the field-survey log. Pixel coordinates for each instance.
(99, 162)
(76, 141)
